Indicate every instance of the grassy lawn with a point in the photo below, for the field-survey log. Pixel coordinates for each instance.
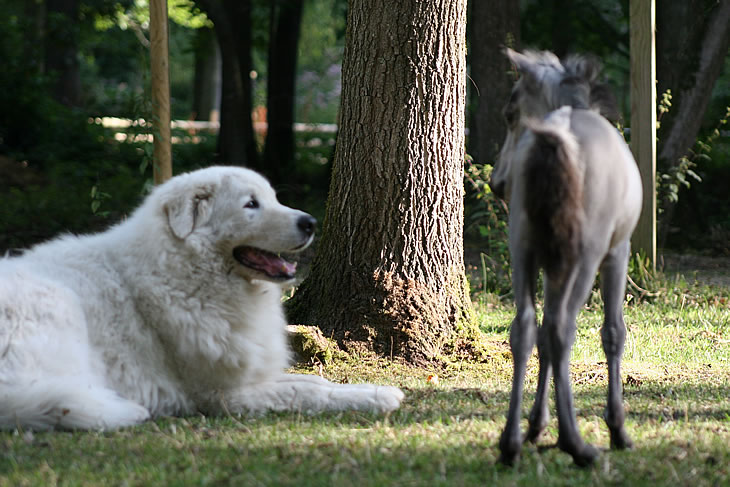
(677, 392)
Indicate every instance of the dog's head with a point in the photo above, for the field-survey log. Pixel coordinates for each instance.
(232, 214)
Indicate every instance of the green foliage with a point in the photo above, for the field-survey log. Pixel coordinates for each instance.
(663, 106)
(116, 63)
(701, 219)
(136, 15)
(321, 45)
(57, 199)
(28, 112)
(678, 175)
(486, 225)
(97, 199)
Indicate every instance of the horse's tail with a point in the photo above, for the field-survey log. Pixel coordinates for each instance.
(554, 192)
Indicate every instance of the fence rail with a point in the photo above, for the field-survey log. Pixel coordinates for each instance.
(124, 123)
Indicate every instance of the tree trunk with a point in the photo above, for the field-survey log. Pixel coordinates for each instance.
(494, 25)
(207, 81)
(390, 271)
(692, 42)
(286, 17)
(61, 46)
(232, 21)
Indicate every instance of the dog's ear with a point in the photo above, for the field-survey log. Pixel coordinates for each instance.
(188, 211)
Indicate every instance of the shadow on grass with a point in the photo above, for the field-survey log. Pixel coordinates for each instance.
(220, 454)
(693, 402)
(440, 436)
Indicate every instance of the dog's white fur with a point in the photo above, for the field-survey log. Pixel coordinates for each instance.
(156, 317)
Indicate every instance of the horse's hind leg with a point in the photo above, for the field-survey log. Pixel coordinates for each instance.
(540, 415)
(562, 303)
(522, 340)
(613, 335)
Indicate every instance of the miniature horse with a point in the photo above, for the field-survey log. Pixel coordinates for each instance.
(574, 195)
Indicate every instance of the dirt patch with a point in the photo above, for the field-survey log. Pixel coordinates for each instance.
(709, 270)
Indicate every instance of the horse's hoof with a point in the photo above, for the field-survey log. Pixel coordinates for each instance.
(533, 433)
(585, 455)
(509, 449)
(508, 459)
(620, 440)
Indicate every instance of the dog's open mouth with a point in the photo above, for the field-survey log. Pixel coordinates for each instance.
(265, 262)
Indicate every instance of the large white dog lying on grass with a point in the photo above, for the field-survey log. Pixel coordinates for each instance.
(175, 310)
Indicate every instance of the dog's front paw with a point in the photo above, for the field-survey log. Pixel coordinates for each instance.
(388, 398)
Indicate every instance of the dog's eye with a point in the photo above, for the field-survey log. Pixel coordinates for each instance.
(252, 204)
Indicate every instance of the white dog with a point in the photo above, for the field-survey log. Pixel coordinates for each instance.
(175, 310)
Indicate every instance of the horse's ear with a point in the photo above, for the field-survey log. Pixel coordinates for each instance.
(525, 66)
(188, 210)
(519, 60)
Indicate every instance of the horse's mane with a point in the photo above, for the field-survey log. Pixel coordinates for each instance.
(575, 82)
(582, 82)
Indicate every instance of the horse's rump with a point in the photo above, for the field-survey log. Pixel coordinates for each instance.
(554, 192)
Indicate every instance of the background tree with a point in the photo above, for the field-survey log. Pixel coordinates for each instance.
(207, 78)
(493, 26)
(232, 21)
(113, 68)
(286, 17)
(693, 38)
(389, 268)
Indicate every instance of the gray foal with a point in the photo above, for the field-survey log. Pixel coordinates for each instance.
(574, 195)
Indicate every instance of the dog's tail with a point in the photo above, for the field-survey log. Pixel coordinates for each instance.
(554, 192)
(62, 404)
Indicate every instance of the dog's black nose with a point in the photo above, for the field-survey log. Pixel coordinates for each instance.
(307, 224)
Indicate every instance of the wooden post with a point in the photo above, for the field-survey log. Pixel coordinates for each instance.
(160, 67)
(643, 119)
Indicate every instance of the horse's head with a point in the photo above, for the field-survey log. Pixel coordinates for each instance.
(546, 84)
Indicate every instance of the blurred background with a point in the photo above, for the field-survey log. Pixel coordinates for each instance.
(257, 83)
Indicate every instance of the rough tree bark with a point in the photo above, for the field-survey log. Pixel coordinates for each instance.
(286, 17)
(494, 25)
(389, 269)
(693, 39)
(232, 22)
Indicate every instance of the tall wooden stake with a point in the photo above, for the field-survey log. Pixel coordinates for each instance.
(643, 119)
(160, 67)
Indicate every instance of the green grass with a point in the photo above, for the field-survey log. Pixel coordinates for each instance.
(677, 393)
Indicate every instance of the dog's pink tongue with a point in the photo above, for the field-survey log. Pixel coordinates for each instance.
(270, 263)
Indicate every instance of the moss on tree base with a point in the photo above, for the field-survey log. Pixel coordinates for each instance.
(310, 345)
(396, 317)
